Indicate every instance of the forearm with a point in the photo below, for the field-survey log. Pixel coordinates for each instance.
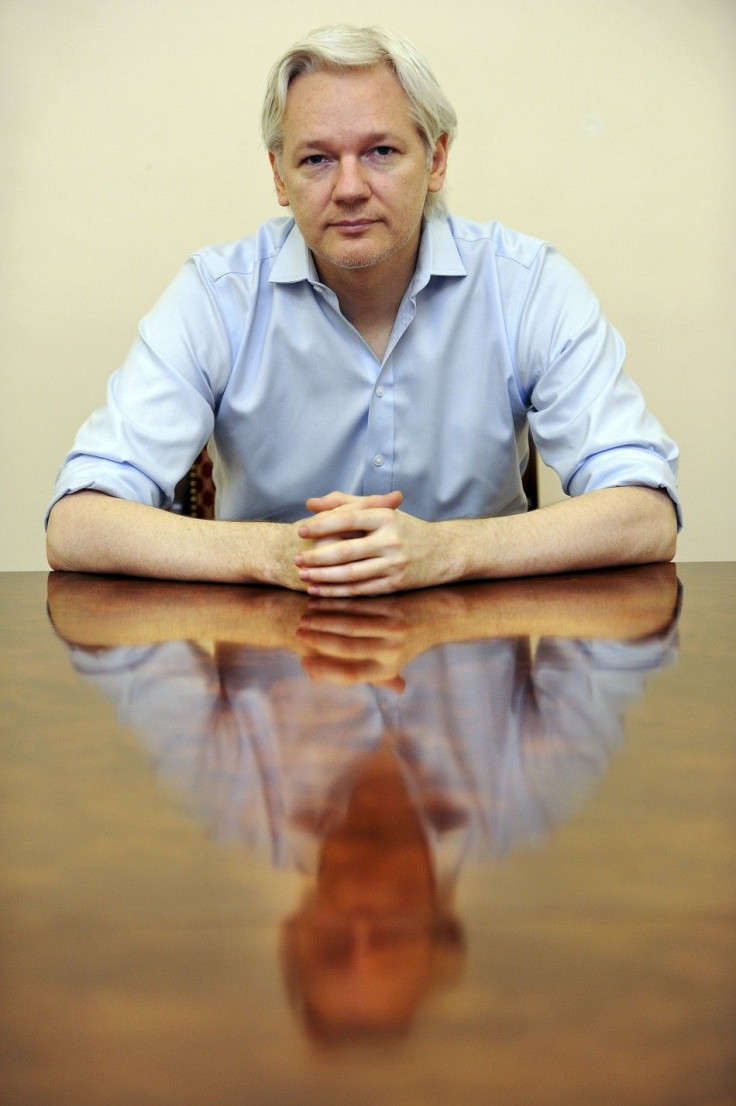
(92, 532)
(615, 526)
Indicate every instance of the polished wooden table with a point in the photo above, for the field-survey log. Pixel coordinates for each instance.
(468, 845)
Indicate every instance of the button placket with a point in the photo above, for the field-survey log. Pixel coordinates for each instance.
(378, 473)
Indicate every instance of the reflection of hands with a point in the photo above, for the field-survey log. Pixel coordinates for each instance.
(363, 545)
(350, 642)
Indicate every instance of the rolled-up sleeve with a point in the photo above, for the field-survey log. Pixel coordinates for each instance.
(587, 416)
(160, 406)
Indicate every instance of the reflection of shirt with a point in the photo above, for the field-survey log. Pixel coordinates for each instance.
(495, 329)
(257, 749)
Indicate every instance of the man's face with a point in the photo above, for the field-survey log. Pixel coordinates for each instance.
(354, 169)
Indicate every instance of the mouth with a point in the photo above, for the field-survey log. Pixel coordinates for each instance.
(353, 226)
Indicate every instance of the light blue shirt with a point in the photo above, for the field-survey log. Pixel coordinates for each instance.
(249, 351)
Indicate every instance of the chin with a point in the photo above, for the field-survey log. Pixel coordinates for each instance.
(358, 262)
(358, 258)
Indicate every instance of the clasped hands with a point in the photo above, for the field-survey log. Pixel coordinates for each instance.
(364, 545)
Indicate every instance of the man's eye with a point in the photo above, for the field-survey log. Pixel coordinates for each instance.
(383, 151)
(313, 159)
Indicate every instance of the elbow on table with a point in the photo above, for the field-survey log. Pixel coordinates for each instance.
(663, 529)
(67, 534)
(668, 546)
(57, 541)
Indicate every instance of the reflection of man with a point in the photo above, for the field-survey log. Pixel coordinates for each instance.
(376, 791)
(375, 345)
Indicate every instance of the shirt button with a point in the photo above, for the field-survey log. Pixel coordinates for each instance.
(379, 390)
(378, 460)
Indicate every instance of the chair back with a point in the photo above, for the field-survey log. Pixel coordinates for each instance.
(195, 493)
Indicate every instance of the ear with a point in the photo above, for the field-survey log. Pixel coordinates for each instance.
(438, 167)
(281, 195)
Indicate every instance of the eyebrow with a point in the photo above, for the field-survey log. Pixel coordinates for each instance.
(373, 138)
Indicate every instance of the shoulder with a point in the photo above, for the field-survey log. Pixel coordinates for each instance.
(226, 279)
(495, 241)
(245, 257)
(520, 260)
(531, 273)
(525, 272)
(210, 299)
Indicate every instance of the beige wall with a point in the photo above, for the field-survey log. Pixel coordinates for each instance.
(129, 137)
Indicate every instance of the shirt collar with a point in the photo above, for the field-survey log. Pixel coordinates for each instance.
(438, 253)
(438, 256)
(294, 261)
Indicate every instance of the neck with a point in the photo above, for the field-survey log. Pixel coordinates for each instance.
(369, 298)
(365, 294)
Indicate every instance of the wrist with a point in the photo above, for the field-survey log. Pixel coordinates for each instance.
(277, 545)
(457, 542)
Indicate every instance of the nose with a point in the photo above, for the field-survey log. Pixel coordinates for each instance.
(351, 184)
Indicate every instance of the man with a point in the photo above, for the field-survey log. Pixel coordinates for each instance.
(377, 346)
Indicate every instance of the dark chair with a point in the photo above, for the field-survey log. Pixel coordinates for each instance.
(195, 493)
(530, 479)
